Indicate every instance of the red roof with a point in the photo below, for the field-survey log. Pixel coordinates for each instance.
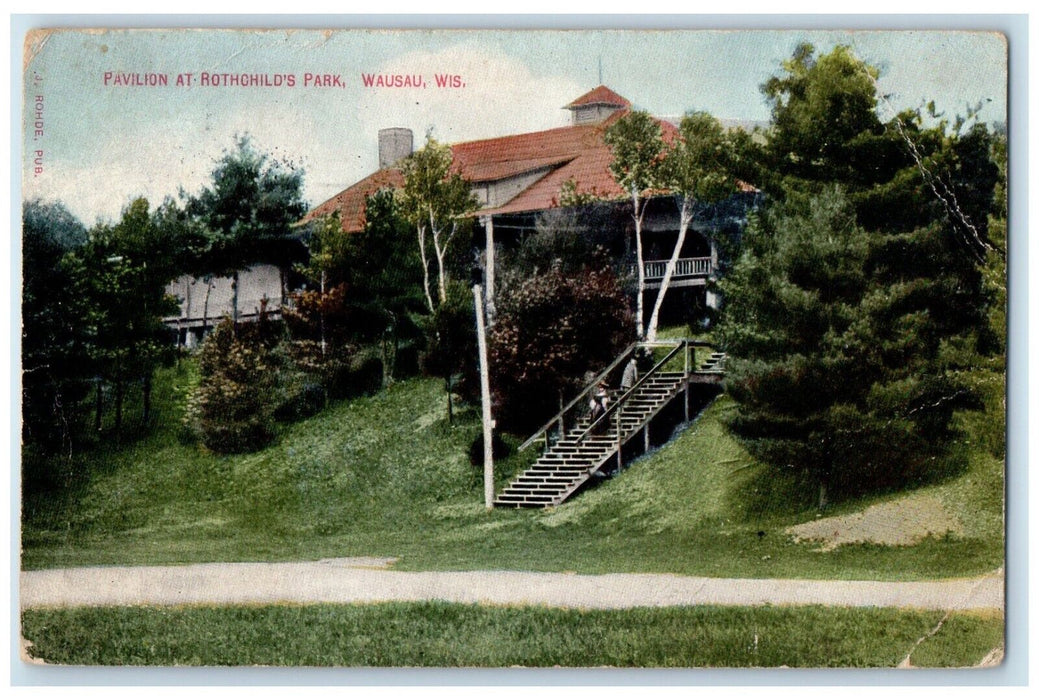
(601, 95)
(350, 202)
(570, 152)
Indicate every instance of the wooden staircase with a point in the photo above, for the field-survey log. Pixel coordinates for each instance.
(583, 449)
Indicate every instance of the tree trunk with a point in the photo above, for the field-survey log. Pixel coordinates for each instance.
(489, 293)
(823, 500)
(205, 305)
(321, 316)
(441, 274)
(234, 299)
(119, 391)
(147, 396)
(441, 253)
(685, 218)
(450, 402)
(425, 267)
(181, 332)
(98, 406)
(639, 263)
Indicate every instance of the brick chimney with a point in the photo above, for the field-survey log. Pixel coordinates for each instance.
(395, 144)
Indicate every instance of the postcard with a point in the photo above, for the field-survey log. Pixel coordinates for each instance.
(362, 348)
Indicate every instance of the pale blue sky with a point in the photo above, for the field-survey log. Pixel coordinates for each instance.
(104, 145)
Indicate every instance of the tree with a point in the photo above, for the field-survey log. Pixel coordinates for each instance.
(857, 299)
(434, 201)
(55, 363)
(124, 271)
(638, 148)
(823, 118)
(837, 376)
(376, 273)
(698, 169)
(248, 211)
(451, 342)
(552, 328)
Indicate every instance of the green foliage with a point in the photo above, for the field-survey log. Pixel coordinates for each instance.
(853, 312)
(571, 196)
(232, 408)
(637, 147)
(837, 378)
(451, 335)
(53, 319)
(248, 208)
(375, 275)
(434, 201)
(122, 272)
(552, 329)
(698, 168)
(823, 113)
(569, 239)
(700, 162)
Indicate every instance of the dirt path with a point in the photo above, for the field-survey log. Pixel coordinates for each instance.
(363, 580)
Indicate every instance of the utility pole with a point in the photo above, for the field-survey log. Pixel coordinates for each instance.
(485, 401)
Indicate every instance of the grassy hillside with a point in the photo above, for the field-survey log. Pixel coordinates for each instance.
(388, 476)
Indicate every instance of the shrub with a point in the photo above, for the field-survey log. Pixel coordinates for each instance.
(551, 330)
(232, 408)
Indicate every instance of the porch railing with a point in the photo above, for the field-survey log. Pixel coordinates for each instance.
(684, 267)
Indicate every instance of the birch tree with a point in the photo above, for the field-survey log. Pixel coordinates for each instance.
(638, 146)
(434, 200)
(697, 170)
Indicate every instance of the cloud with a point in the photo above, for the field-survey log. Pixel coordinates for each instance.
(158, 158)
(157, 148)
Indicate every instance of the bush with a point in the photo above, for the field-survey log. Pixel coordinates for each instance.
(232, 408)
(306, 399)
(551, 330)
(364, 376)
(499, 449)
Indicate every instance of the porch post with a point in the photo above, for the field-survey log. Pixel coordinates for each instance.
(488, 225)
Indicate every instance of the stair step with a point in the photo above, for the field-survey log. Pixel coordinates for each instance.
(573, 459)
(528, 492)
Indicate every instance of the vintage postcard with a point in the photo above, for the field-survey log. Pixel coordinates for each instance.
(513, 348)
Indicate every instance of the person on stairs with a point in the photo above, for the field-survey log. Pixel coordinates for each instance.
(599, 404)
(630, 375)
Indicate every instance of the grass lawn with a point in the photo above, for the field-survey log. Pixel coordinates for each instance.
(453, 635)
(387, 476)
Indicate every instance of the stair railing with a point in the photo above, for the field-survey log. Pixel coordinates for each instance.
(615, 408)
(560, 419)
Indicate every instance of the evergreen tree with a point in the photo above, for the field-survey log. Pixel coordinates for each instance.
(232, 408)
(852, 312)
(123, 270)
(55, 362)
(247, 211)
